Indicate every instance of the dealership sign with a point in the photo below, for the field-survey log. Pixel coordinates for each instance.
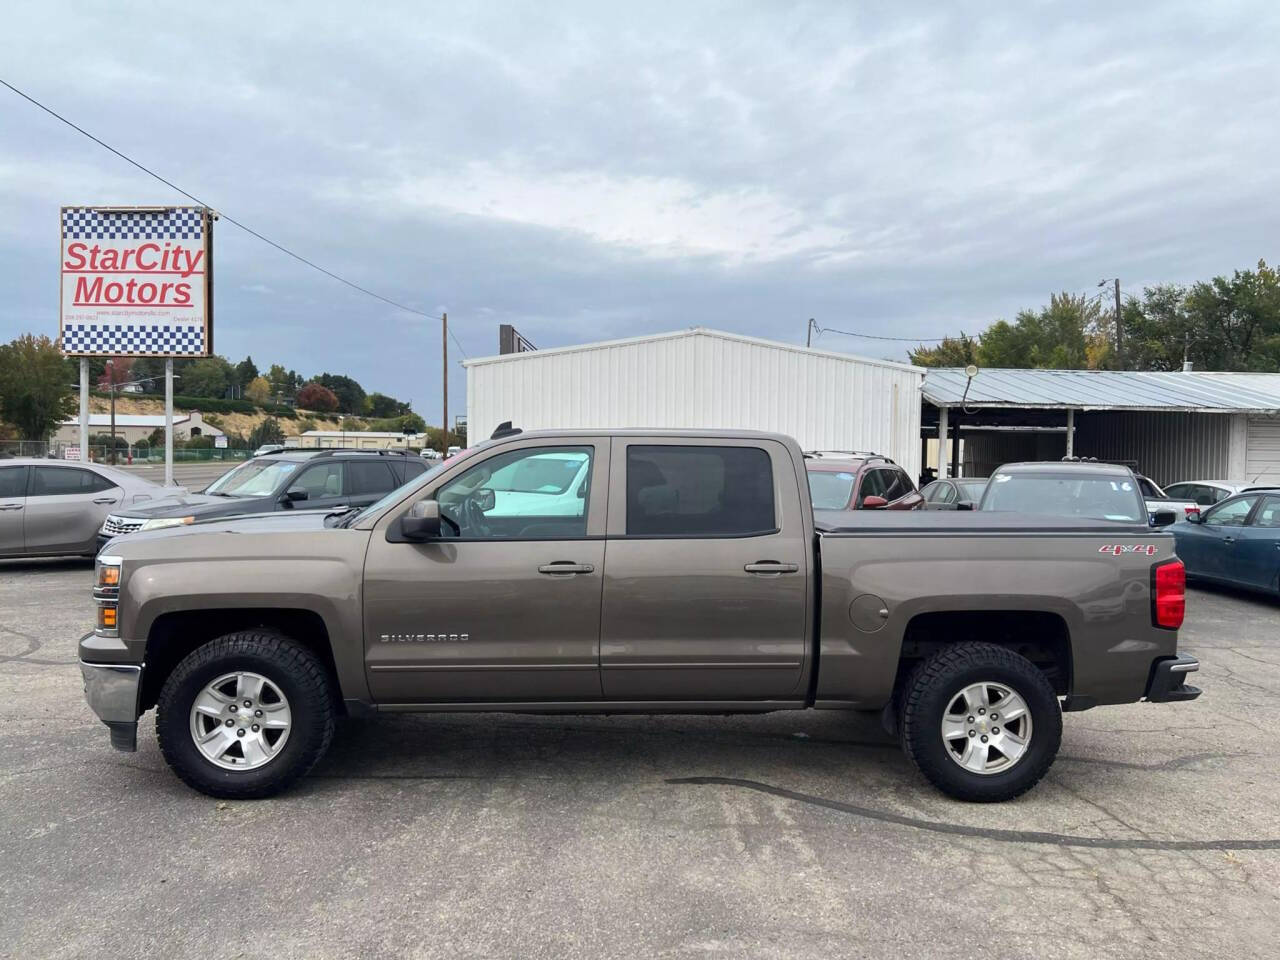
(137, 281)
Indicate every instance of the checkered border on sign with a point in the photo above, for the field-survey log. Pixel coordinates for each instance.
(117, 338)
(86, 223)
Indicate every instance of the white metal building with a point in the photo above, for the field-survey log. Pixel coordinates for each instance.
(708, 379)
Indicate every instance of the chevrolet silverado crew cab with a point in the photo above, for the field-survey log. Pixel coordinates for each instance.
(629, 571)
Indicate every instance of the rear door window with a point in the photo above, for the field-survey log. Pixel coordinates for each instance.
(64, 481)
(13, 482)
(1268, 514)
(945, 493)
(699, 491)
(371, 477)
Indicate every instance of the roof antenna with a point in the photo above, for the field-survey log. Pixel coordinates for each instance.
(505, 429)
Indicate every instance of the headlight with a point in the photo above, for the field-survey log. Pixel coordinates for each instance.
(106, 591)
(160, 523)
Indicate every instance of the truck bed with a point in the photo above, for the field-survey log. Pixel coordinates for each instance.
(932, 522)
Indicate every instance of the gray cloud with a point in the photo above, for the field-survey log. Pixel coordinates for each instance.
(586, 174)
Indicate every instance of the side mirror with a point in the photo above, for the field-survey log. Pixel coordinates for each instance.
(296, 494)
(966, 505)
(485, 499)
(1162, 518)
(1194, 516)
(422, 522)
(874, 503)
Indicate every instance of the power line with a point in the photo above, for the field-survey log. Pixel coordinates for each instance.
(875, 336)
(232, 220)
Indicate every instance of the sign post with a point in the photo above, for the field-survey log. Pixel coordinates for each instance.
(136, 282)
(84, 409)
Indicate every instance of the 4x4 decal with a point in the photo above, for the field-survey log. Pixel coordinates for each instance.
(1115, 549)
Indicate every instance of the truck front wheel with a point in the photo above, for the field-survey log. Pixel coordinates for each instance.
(245, 715)
(980, 722)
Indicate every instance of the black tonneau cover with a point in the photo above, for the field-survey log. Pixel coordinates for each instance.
(926, 522)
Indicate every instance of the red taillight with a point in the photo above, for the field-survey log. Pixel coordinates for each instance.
(1169, 603)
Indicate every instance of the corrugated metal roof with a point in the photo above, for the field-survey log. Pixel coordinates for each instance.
(690, 332)
(1106, 390)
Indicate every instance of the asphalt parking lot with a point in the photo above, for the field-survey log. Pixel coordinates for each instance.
(1156, 834)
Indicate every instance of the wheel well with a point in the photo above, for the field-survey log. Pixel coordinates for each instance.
(1041, 637)
(174, 635)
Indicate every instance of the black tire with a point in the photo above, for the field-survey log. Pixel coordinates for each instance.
(937, 682)
(294, 669)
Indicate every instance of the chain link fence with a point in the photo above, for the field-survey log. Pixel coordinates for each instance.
(126, 453)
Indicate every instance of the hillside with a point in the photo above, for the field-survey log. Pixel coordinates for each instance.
(241, 423)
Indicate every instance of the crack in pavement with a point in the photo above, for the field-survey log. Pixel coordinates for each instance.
(985, 833)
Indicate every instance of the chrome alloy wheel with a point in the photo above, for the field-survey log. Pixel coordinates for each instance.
(240, 721)
(987, 727)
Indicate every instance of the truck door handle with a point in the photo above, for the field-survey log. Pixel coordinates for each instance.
(770, 568)
(18, 506)
(105, 500)
(1228, 539)
(565, 568)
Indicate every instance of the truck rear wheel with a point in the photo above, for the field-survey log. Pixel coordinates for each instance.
(245, 715)
(980, 722)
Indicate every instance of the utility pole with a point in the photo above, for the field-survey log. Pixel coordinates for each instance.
(808, 334)
(111, 385)
(1119, 332)
(444, 377)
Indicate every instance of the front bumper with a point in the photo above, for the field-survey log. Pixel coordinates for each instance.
(112, 691)
(1168, 680)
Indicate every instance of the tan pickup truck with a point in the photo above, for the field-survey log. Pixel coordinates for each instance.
(646, 571)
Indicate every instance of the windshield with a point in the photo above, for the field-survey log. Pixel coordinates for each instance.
(256, 478)
(830, 490)
(971, 489)
(1066, 495)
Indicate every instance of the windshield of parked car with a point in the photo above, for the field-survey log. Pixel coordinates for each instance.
(971, 489)
(254, 478)
(548, 473)
(830, 489)
(1066, 495)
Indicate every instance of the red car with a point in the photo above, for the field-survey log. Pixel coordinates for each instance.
(850, 480)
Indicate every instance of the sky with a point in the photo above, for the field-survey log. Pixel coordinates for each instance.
(594, 171)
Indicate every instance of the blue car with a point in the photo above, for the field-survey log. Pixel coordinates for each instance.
(1236, 541)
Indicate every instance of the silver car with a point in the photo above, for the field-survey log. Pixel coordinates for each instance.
(55, 507)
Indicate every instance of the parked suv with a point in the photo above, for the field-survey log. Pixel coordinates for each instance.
(290, 480)
(854, 480)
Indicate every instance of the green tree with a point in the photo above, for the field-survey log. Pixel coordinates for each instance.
(381, 406)
(350, 394)
(35, 393)
(1055, 336)
(209, 377)
(278, 377)
(268, 431)
(151, 371)
(951, 352)
(246, 372)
